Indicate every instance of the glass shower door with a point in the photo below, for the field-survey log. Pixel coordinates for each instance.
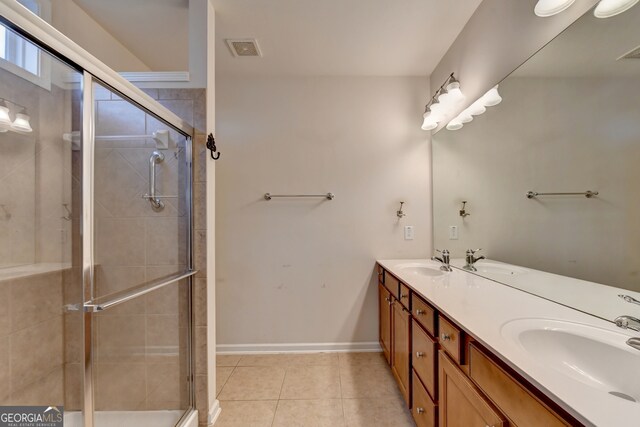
(40, 243)
(141, 369)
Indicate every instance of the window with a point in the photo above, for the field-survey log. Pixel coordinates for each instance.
(19, 55)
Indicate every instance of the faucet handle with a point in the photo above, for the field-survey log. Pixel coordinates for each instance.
(473, 251)
(443, 252)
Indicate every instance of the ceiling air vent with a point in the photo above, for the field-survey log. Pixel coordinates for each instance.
(633, 54)
(244, 47)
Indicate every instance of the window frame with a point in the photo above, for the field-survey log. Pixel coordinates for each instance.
(43, 78)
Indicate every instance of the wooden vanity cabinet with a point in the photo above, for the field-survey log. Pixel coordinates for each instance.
(400, 348)
(462, 404)
(385, 301)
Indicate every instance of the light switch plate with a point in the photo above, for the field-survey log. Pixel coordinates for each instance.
(408, 232)
(453, 232)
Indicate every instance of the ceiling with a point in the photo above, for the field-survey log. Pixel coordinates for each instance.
(589, 48)
(153, 30)
(297, 37)
(339, 37)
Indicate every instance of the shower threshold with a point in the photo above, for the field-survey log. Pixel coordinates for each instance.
(132, 419)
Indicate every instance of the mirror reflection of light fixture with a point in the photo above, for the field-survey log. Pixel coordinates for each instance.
(21, 123)
(609, 8)
(443, 102)
(546, 8)
(489, 99)
(5, 120)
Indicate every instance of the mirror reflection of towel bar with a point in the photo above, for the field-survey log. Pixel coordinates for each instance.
(328, 196)
(588, 194)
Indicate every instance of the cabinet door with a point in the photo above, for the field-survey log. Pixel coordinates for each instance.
(384, 303)
(461, 402)
(400, 348)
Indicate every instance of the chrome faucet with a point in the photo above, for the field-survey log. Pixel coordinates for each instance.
(470, 259)
(444, 260)
(628, 322)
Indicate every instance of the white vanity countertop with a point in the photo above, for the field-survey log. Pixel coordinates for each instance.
(590, 297)
(481, 307)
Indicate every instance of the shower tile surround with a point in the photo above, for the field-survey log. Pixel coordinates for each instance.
(140, 338)
(34, 304)
(35, 171)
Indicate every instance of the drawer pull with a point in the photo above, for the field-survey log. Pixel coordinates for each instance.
(419, 354)
(388, 299)
(405, 310)
(445, 337)
(402, 296)
(421, 411)
(420, 312)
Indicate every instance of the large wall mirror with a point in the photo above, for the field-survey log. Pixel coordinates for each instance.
(569, 122)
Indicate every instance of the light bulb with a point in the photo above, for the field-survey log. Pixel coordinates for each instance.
(429, 122)
(609, 8)
(454, 124)
(477, 108)
(5, 120)
(21, 123)
(454, 92)
(492, 97)
(546, 8)
(465, 117)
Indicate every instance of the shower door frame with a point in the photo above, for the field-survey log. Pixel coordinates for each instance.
(47, 38)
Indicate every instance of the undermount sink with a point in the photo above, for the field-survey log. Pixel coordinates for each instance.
(420, 269)
(597, 357)
(490, 268)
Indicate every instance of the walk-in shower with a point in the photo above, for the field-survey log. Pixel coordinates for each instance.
(95, 237)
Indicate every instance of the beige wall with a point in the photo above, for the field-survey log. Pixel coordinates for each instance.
(500, 36)
(68, 18)
(300, 271)
(549, 135)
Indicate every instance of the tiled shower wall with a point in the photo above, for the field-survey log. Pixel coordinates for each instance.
(190, 105)
(35, 173)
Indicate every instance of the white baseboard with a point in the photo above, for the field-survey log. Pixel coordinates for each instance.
(342, 347)
(214, 413)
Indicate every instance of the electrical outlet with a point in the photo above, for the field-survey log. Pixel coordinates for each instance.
(453, 232)
(408, 232)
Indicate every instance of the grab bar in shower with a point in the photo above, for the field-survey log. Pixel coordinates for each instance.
(588, 194)
(328, 196)
(108, 301)
(156, 203)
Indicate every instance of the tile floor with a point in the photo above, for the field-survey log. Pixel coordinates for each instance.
(309, 390)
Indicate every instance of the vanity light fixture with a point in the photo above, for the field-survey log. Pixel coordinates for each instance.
(443, 102)
(609, 8)
(546, 8)
(20, 123)
(5, 120)
(489, 99)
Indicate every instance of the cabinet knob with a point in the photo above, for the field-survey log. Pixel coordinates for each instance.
(403, 296)
(421, 411)
(420, 312)
(445, 337)
(419, 354)
(388, 299)
(405, 310)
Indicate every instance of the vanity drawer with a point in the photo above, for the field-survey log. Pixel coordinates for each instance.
(392, 284)
(424, 358)
(520, 406)
(423, 313)
(404, 295)
(423, 410)
(451, 339)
